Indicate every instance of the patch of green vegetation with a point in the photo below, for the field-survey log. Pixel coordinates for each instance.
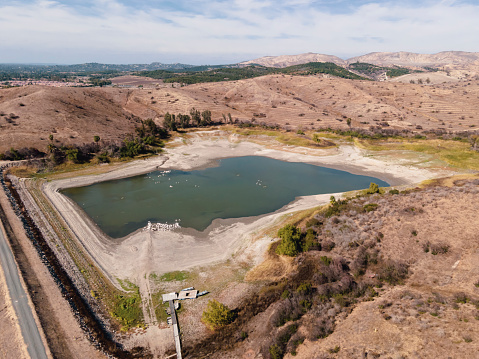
(173, 276)
(455, 153)
(217, 315)
(336, 349)
(304, 288)
(219, 74)
(126, 307)
(373, 70)
(397, 71)
(370, 207)
(326, 260)
(159, 306)
(291, 239)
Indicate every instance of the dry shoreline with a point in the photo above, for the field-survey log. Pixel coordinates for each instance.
(143, 252)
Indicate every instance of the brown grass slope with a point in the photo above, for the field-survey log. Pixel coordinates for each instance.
(434, 313)
(313, 102)
(75, 115)
(72, 115)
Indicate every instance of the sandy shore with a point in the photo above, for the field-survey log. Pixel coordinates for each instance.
(144, 252)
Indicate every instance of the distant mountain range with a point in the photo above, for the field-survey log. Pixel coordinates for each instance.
(94, 67)
(290, 60)
(448, 60)
(453, 58)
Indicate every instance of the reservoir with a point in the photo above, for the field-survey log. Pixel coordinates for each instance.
(237, 187)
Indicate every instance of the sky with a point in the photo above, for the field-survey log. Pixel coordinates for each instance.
(228, 31)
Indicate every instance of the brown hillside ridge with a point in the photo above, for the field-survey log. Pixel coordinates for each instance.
(29, 115)
(290, 60)
(456, 59)
(75, 115)
(451, 59)
(315, 102)
(433, 312)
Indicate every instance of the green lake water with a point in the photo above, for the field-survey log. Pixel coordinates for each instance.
(238, 187)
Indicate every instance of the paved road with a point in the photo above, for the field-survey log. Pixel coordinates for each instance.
(28, 326)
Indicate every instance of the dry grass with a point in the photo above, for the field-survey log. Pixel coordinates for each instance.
(273, 268)
(75, 115)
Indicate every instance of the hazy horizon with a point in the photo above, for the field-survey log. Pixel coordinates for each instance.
(216, 32)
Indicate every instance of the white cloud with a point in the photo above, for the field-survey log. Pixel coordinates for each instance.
(49, 31)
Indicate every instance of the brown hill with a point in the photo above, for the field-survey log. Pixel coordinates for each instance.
(75, 115)
(431, 314)
(28, 115)
(457, 59)
(313, 102)
(290, 60)
(452, 60)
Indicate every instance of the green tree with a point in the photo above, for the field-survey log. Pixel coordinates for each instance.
(195, 116)
(290, 241)
(275, 351)
(183, 120)
(96, 138)
(373, 188)
(217, 315)
(72, 154)
(206, 118)
(170, 122)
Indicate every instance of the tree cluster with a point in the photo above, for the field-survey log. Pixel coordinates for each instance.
(196, 118)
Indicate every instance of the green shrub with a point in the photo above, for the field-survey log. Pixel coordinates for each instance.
(276, 352)
(461, 298)
(336, 349)
(304, 288)
(392, 272)
(127, 310)
(370, 207)
(290, 241)
(313, 222)
(373, 188)
(217, 315)
(326, 260)
(309, 240)
(305, 304)
(439, 249)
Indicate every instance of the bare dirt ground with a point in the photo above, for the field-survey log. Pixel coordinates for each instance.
(135, 81)
(11, 341)
(75, 115)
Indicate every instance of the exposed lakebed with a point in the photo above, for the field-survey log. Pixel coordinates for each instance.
(237, 187)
